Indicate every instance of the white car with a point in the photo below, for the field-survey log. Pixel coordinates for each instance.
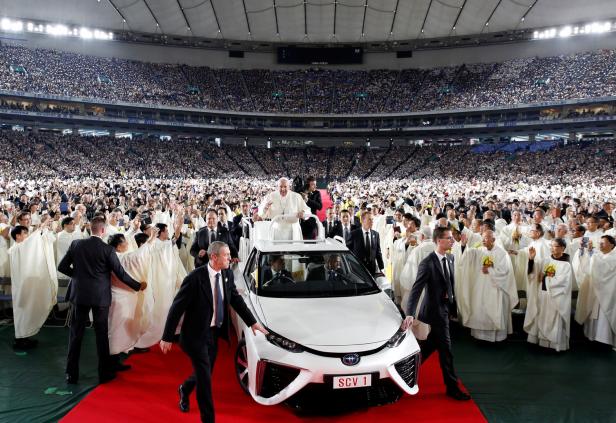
(331, 327)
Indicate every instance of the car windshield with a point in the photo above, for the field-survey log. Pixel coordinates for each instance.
(312, 275)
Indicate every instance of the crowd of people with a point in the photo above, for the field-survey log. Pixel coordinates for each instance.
(580, 75)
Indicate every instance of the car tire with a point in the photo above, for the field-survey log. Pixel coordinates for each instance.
(241, 365)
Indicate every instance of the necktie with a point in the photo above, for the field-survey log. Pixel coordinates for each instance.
(368, 246)
(212, 235)
(448, 279)
(220, 311)
(346, 233)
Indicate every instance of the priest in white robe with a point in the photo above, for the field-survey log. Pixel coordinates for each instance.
(130, 311)
(70, 232)
(34, 282)
(288, 204)
(596, 303)
(409, 271)
(488, 290)
(548, 314)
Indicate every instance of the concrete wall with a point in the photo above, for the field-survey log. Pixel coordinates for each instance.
(218, 59)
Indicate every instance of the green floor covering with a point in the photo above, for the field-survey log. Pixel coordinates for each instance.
(511, 381)
(32, 386)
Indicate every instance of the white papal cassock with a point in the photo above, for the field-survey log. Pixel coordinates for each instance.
(288, 206)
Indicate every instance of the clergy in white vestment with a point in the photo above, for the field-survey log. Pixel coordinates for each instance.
(165, 276)
(593, 232)
(409, 271)
(288, 204)
(401, 250)
(596, 303)
(70, 232)
(487, 290)
(5, 269)
(548, 313)
(34, 281)
(130, 310)
(542, 250)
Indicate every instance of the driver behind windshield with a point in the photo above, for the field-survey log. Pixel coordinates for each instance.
(276, 269)
(330, 272)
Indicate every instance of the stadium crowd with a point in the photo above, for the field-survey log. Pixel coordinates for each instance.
(516, 81)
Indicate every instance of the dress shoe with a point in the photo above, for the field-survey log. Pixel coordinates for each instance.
(119, 367)
(106, 377)
(23, 344)
(458, 394)
(71, 379)
(184, 402)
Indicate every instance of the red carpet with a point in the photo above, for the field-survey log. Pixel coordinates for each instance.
(327, 202)
(148, 393)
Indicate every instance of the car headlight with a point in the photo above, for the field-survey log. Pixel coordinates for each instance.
(397, 339)
(284, 343)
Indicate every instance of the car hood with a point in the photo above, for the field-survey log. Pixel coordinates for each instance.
(332, 322)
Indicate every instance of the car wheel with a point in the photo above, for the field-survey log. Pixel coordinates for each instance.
(241, 365)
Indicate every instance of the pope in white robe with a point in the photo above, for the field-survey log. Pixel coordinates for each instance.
(548, 313)
(487, 290)
(34, 281)
(288, 204)
(596, 303)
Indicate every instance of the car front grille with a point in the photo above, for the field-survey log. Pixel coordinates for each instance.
(276, 378)
(408, 369)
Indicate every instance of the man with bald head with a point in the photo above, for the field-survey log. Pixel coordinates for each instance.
(487, 290)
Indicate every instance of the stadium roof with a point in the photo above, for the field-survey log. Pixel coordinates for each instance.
(312, 21)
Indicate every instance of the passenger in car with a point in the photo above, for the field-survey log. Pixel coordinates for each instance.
(276, 270)
(331, 271)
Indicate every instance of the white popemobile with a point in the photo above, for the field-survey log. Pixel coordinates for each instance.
(331, 326)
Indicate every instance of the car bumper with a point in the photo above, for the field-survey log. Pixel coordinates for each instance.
(277, 374)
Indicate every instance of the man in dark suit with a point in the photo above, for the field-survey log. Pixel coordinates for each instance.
(240, 228)
(331, 226)
(312, 197)
(205, 236)
(202, 300)
(366, 245)
(276, 270)
(435, 275)
(346, 226)
(89, 263)
(331, 271)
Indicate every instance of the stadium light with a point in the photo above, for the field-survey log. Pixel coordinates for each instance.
(569, 31)
(7, 24)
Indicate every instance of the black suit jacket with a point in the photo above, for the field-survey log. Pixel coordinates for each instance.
(238, 229)
(357, 245)
(314, 201)
(89, 263)
(202, 242)
(268, 274)
(335, 229)
(195, 302)
(339, 230)
(435, 307)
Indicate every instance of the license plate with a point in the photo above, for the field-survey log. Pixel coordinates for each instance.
(353, 381)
